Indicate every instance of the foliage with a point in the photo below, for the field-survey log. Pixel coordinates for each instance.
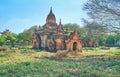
(11, 38)
(111, 40)
(2, 40)
(71, 27)
(26, 36)
(93, 31)
(68, 28)
(106, 12)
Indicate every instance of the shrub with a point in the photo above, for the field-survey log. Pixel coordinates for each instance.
(3, 48)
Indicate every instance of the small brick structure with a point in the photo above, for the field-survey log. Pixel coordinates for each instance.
(74, 43)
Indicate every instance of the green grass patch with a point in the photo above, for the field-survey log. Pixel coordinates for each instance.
(93, 63)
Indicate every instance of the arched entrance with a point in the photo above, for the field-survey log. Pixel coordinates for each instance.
(39, 41)
(74, 46)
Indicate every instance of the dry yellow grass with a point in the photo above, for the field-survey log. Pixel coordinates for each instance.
(66, 54)
(58, 55)
(42, 55)
(63, 54)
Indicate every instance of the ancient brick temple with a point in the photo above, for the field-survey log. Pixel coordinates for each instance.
(52, 37)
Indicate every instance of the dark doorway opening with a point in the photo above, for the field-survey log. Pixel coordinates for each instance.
(74, 46)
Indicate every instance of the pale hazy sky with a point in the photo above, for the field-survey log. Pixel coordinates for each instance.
(18, 15)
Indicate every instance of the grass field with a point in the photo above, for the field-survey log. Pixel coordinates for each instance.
(95, 62)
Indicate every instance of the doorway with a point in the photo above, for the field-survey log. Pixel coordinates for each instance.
(74, 46)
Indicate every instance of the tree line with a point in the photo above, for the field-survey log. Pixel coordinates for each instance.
(91, 31)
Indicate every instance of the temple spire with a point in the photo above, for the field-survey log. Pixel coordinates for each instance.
(51, 17)
(60, 22)
(51, 10)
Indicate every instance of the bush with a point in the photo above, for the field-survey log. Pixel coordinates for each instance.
(105, 48)
(2, 48)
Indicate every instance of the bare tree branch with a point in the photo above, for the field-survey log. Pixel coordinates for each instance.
(105, 11)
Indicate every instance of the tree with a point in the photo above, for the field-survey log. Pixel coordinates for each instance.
(93, 31)
(111, 40)
(12, 38)
(71, 27)
(26, 36)
(8, 38)
(2, 40)
(106, 12)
